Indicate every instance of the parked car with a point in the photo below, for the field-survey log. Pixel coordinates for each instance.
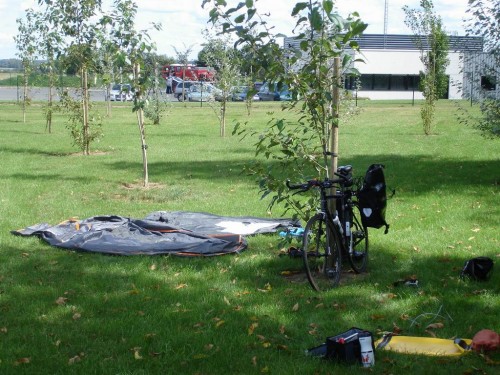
(239, 93)
(179, 88)
(121, 92)
(271, 92)
(200, 92)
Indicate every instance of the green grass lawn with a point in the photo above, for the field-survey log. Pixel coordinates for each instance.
(66, 312)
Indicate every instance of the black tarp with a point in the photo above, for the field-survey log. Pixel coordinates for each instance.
(178, 233)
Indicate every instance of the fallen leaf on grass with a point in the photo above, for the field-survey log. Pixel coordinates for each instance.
(200, 356)
(61, 301)
(75, 359)
(377, 317)
(76, 316)
(227, 301)
(3, 329)
(21, 361)
(254, 361)
(295, 307)
(137, 355)
(435, 326)
(180, 286)
(252, 328)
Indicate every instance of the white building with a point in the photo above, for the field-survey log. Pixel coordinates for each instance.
(392, 65)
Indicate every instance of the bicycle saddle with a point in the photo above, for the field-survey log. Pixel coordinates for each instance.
(344, 170)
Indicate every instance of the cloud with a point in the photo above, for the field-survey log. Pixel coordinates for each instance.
(184, 20)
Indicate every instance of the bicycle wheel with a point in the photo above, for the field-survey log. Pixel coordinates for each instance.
(321, 253)
(358, 243)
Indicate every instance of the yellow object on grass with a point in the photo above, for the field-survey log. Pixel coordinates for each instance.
(424, 345)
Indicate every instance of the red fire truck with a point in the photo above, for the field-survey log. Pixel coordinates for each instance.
(188, 72)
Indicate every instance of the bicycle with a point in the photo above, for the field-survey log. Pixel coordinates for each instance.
(329, 236)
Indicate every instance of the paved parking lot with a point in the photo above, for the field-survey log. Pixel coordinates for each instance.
(42, 93)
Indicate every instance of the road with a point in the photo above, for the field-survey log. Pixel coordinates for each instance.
(42, 93)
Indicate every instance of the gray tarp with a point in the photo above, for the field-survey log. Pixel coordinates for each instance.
(177, 233)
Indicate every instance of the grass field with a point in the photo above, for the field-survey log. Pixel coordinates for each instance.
(68, 312)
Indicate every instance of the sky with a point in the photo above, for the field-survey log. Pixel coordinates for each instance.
(184, 20)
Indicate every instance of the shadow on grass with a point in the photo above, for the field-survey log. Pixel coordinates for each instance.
(419, 174)
(186, 309)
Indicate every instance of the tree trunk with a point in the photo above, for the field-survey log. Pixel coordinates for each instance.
(108, 100)
(25, 95)
(140, 122)
(223, 119)
(85, 110)
(334, 127)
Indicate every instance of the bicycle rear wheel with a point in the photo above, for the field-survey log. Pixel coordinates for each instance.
(321, 253)
(358, 243)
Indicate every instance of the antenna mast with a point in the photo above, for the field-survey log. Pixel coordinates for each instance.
(386, 21)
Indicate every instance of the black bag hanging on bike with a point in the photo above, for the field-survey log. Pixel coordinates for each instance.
(372, 198)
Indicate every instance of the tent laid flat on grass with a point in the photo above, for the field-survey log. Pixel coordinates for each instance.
(178, 233)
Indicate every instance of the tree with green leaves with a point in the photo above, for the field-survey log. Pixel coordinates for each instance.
(484, 21)
(133, 46)
(49, 38)
(433, 43)
(302, 149)
(224, 59)
(183, 59)
(78, 22)
(27, 50)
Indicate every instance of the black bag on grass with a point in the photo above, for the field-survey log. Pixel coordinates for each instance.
(477, 268)
(372, 198)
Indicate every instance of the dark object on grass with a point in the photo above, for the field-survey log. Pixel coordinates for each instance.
(477, 268)
(160, 233)
(344, 347)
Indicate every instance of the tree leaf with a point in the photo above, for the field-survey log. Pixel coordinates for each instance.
(298, 7)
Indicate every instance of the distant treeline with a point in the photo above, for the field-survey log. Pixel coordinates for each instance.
(14, 64)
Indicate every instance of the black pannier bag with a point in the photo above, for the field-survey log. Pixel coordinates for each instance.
(372, 198)
(477, 268)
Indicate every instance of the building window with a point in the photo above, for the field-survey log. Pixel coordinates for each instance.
(389, 82)
(488, 83)
(381, 81)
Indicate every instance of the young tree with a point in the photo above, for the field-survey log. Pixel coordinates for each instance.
(49, 38)
(302, 148)
(78, 22)
(26, 46)
(183, 58)
(133, 47)
(157, 104)
(224, 59)
(431, 39)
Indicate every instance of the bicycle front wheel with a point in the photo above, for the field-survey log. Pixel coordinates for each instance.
(321, 253)
(358, 243)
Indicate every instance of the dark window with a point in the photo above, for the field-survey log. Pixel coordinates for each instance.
(488, 83)
(381, 81)
(389, 82)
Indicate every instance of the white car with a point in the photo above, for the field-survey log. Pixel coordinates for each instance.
(180, 86)
(199, 92)
(121, 92)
